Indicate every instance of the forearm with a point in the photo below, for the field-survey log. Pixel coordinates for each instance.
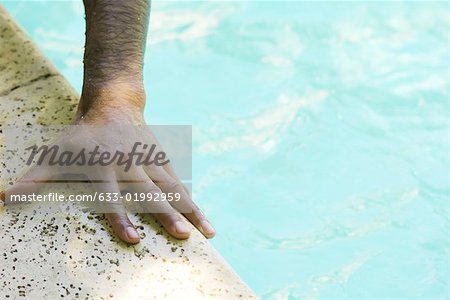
(115, 43)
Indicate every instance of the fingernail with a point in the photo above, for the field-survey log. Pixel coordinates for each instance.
(207, 228)
(180, 227)
(132, 233)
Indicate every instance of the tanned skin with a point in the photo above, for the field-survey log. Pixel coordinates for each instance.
(113, 93)
(116, 32)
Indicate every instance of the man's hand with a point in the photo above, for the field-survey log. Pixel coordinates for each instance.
(123, 106)
(120, 130)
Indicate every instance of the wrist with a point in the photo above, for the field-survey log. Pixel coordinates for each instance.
(112, 94)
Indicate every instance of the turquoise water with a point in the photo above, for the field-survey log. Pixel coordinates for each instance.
(321, 134)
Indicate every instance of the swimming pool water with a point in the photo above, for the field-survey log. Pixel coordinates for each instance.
(320, 132)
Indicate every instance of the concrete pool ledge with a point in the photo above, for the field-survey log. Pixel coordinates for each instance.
(59, 251)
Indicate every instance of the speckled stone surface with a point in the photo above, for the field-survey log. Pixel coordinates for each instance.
(59, 251)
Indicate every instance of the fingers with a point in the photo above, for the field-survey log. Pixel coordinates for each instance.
(115, 212)
(123, 227)
(196, 216)
(174, 225)
(166, 179)
(199, 220)
(186, 206)
(162, 210)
